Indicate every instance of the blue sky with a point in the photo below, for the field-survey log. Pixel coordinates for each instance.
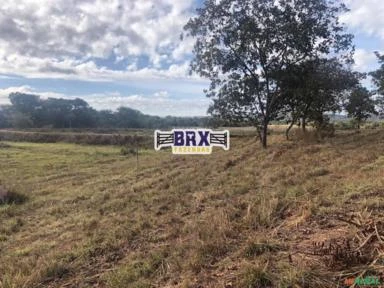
(127, 52)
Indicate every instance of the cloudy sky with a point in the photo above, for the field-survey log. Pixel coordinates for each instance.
(127, 52)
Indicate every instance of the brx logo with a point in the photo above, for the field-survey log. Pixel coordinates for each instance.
(191, 141)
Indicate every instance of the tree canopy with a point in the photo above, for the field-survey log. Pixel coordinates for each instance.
(360, 105)
(378, 81)
(315, 87)
(31, 111)
(245, 46)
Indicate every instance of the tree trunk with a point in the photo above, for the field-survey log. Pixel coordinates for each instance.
(264, 133)
(258, 129)
(289, 129)
(303, 124)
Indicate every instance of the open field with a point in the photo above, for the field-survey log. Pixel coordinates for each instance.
(294, 215)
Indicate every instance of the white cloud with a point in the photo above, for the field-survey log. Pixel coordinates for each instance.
(366, 16)
(4, 93)
(365, 61)
(43, 38)
(68, 68)
(159, 103)
(161, 94)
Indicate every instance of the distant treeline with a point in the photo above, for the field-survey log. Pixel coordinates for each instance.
(31, 111)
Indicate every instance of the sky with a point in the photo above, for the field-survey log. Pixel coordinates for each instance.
(129, 53)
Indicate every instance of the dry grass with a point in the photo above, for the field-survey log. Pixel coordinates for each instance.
(243, 218)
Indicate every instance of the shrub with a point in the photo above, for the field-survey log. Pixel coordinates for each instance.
(318, 172)
(372, 125)
(258, 248)
(4, 145)
(128, 151)
(9, 197)
(345, 125)
(253, 276)
(325, 130)
(56, 270)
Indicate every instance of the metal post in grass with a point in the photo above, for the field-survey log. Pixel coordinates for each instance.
(137, 157)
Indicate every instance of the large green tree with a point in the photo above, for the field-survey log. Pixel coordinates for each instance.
(243, 46)
(32, 111)
(360, 105)
(315, 87)
(5, 116)
(26, 109)
(378, 80)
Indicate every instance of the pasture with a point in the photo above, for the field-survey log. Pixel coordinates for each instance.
(299, 214)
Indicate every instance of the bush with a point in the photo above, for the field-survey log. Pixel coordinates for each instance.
(345, 125)
(324, 128)
(4, 145)
(258, 248)
(253, 276)
(372, 125)
(9, 197)
(128, 151)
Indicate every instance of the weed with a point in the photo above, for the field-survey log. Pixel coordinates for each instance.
(4, 145)
(55, 270)
(318, 172)
(128, 151)
(254, 276)
(10, 197)
(258, 248)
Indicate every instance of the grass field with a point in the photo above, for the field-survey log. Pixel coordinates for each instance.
(295, 215)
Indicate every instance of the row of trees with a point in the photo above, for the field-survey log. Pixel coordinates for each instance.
(273, 60)
(31, 111)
